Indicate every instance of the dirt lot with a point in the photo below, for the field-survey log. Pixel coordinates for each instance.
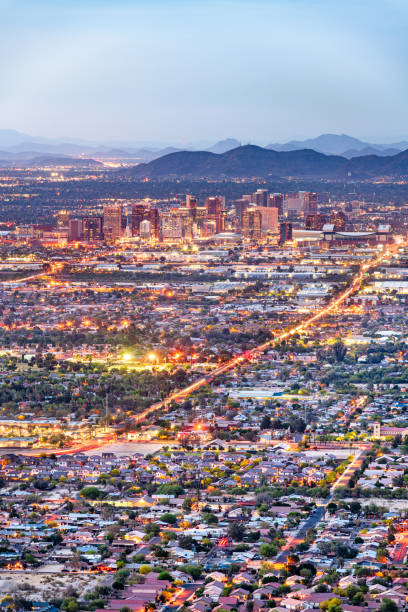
(43, 586)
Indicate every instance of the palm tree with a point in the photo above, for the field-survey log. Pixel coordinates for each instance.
(339, 350)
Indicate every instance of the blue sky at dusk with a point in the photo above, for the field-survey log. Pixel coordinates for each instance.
(173, 71)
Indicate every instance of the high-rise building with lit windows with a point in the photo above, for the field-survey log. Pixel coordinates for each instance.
(92, 228)
(154, 219)
(309, 203)
(140, 212)
(252, 223)
(276, 201)
(285, 232)
(240, 206)
(315, 222)
(260, 197)
(63, 217)
(112, 222)
(75, 230)
(269, 219)
(214, 206)
(170, 226)
(339, 219)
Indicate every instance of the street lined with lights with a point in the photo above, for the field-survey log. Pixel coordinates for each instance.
(250, 354)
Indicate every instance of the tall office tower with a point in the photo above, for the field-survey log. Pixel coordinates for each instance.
(213, 205)
(260, 197)
(126, 216)
(199, 221)
(75, 230)
(285, 232)
(315, 222)
(240, 206)
(154, 218)
(293, 204)
(252, 224)
(145, 229)
(112, 222)
(309, 203)
(191, 201)
(214, 211)
(170, 226)
(63, 217)
(92, 228)
(269, 219)
(191, 204)
(339, 219)
(140, 212)
(187, 221)
(276, 201)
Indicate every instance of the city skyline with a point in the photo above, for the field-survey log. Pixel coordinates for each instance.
(178, 72)
(203, 306)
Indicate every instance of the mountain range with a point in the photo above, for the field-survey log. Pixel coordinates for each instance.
(251, 161)
(340, 144)
(15, 144)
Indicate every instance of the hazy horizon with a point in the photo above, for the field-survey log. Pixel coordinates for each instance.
(200, 142)
(172, 72)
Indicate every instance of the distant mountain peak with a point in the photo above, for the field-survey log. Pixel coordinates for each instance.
(222, 146)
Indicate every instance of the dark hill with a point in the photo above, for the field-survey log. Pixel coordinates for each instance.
(246, 161)
(251, 161)
(370, 166)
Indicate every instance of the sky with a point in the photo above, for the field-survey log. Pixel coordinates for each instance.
(188, 71)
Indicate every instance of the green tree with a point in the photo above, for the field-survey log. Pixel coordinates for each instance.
(70, 605)
(388, 606)
(194, 571)
(210, 518)
(236, 531)
(339, 351)
(331, 605)
(91, 493)
(169, 518)
(165, 576)
(268, 550)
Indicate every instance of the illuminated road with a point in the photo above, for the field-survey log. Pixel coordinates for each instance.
(400, 550)
(248, 355)
(317, 515)
(26, 279)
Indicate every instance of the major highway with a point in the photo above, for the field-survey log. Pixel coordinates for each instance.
(55, 267)
(182, 394)
(250, 354)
